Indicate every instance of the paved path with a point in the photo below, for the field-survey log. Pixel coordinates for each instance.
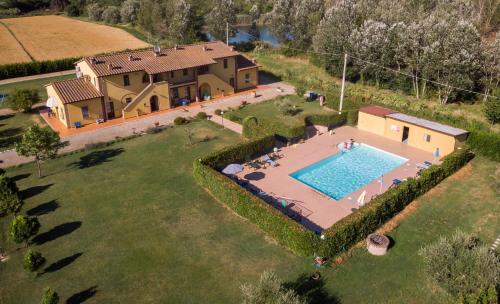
(33, 77)
(78, 141)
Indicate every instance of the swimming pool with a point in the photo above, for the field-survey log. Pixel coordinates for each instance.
(345, 172)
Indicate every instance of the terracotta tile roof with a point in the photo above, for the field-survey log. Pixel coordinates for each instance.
(172, 59)
(242, 62)
(73, 90)
(377, 111)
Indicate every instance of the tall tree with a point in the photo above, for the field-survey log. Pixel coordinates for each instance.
(223, 12)
(281, 19)
(129, 11)
(40, 143)
(269, 289)
(490, 65)
(182, 25)
(305, 19)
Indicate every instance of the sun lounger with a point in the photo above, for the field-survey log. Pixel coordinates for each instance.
(268, 160)
(424, 165)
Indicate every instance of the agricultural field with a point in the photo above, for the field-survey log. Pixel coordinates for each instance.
(53, 37)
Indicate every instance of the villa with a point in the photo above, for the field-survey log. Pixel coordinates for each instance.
(141, 82)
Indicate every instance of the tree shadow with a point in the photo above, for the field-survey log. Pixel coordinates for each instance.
(56, 232)
(10, 136)
(312, 290)
(20, 177)
(32, 191)
(82, 296)
(43, 208)
(96, 158)
(6, 116)
(255, 176)
(62, 263)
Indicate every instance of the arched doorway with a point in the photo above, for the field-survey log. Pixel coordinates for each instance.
(153, 103)
(205, 91)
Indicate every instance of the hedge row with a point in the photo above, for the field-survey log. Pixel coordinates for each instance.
(358, 225)
(36, 67)
(283, 229)
(343, 234)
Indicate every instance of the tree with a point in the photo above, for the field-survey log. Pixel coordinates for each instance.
(33, 260)
(23, 228)
(269, 290)
(94, 11)
(182, 25)
(280, 19)
(490, 65)
(111, 15)
(491, 109)
(461, 265)
(49, 296)
(254, 12)
(305, 19)
(223, 12)
(9, 198)
(23, 99)
(129, 11)
(40, 143)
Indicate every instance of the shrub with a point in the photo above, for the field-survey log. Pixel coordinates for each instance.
(111, 15)
(201, 115)
(218, 111)
(269, 289)
(153, 130)
(9, 198)
(329, 119)
(180, 121)
(285, 107)
(23, 99)
(96, 145)
(94, 11)
(49, 296)
(491, 110)
(72, 9)
(462, 266)
(485, 143)
(352, 118)
(33, 260)
(300, 90)
(23, 228)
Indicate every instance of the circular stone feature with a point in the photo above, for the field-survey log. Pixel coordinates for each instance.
(377, 244)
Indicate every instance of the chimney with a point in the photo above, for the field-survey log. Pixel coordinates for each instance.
(93, 60)
(110, 66)
(204, 48)
(130, 57)
(176, 47)
(231, 47)
(254, 61)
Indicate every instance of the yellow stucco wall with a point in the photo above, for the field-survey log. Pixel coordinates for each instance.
(371, 123)
(75, 111)
(142, 106)
(247, 83)
(216, 84)
(225, 74)
(115, 91)
(59, 111)
(445, 143)
(87, 71)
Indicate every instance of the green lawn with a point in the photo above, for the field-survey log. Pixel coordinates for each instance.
(37, 84)
(128, 224)
(268, 110)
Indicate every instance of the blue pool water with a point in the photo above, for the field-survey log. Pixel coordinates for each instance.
(345, 172)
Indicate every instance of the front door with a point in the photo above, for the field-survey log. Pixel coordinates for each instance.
(110, 110)
(153, 102)
(231, 82)
(188, 93)
(406, 132)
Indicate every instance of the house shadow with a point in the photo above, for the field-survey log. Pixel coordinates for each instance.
(56, 232)
(44, 208)
(62, 263)
(32, 191)
(96, 158)
(313, 291)
(82, 296)
(266, 77)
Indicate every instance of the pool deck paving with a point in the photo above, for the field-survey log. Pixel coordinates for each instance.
(318, 210)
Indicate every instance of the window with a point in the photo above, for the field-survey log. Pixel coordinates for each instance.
(172, 74)
(85, 112)
(185, 72)
(225, 63)
(247, 78)
(128, 100)
(175, 92)
(126, 80)
(145, 78)
(427, 137)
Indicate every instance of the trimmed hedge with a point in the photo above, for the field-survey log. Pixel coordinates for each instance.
(255, 128)
(277, 225)
(344, 233)
(485, 143)
(327, 119)
(36, 67)
(358, 225)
